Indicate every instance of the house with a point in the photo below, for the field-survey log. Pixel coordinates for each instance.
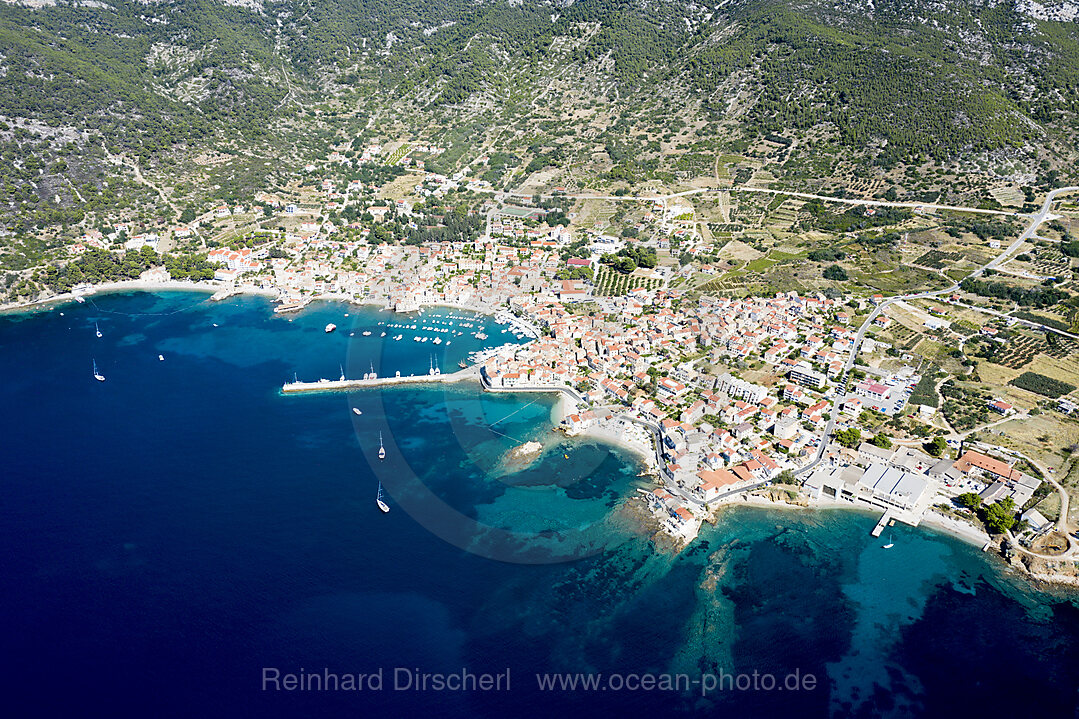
(852, 405)
(976, 462)
(872, 390)
(1036, 521)
(670, 388)
(743, 430)
(871, 453)
(1000, 406)
(713, 482)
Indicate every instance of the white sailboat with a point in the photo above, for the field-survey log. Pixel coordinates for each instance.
(97, 330)
(381, 446)
(342, 373)
(97, 375)
(890, 543)
(378, 500)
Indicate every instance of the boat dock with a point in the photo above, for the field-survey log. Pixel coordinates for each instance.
(344, 385)
(885, 519)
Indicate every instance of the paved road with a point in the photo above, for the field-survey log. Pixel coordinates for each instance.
(1035, 222)
(768, 190)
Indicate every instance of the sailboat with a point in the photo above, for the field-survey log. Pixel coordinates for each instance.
(381, 447)
(378, 500)
(890, 543)
(356, 411)
(97, 330)
(97, 375)
(342, 372)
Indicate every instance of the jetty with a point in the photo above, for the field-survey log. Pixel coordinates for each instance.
(224, 293)
(345, 385)
(884, 520)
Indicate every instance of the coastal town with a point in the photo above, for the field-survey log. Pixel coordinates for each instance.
(795, 397)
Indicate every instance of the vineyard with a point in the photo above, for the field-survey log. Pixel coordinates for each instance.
(398, 154)
(1020, 351)
(904, 338)
(1050, 262)
(609, 283)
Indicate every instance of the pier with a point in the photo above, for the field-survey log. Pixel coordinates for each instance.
(884, 520)
(344, 385)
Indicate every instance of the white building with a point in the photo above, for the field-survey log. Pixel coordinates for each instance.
(888, 486)
(740, 389)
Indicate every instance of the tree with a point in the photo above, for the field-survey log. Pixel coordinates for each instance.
(936, 447)
(999, 517)
(187, 215)
(786, 477)
(969, 500)
(881, 440)
(849, 438)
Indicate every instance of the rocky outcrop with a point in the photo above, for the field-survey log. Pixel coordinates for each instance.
(1052, 570)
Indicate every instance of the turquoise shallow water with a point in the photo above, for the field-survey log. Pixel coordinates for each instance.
(172, 531)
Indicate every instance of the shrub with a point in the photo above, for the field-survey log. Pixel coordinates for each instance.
(835, 272)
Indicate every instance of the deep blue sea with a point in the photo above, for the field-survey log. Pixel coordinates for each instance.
(173, 536)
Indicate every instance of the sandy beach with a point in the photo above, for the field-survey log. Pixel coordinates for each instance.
(609, 436)
(960, 530)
